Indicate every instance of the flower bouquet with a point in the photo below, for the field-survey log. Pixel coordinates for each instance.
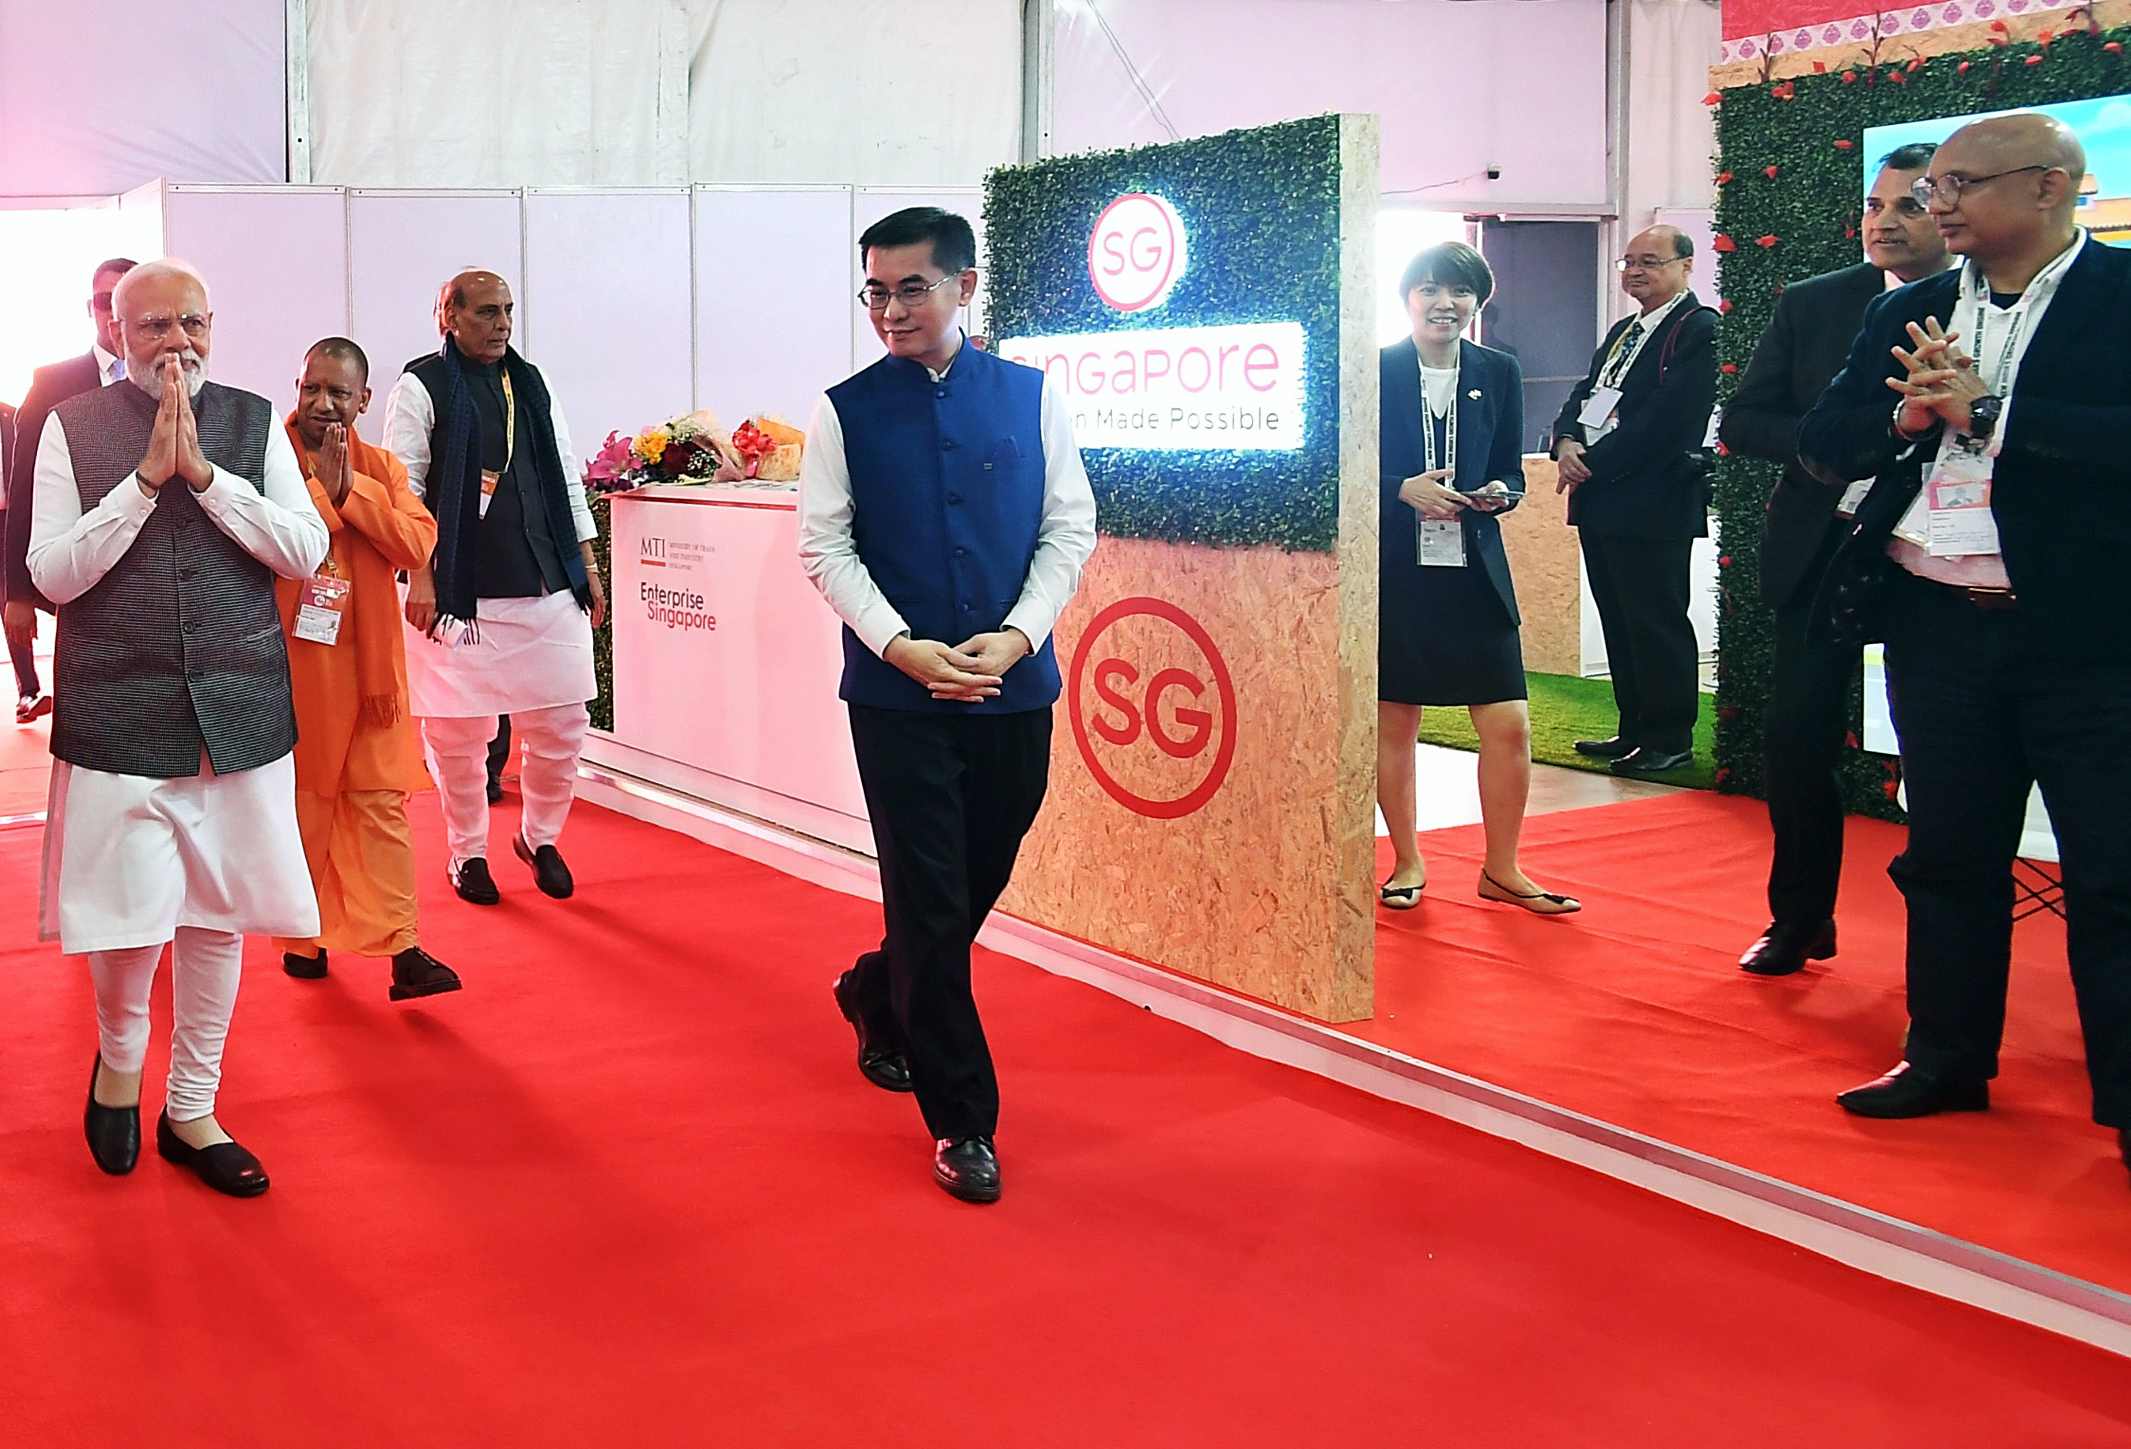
(694, 449)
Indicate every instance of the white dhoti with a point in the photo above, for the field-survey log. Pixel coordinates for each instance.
(530, 659)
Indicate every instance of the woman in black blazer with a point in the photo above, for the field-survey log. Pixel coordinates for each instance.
(1451, 457)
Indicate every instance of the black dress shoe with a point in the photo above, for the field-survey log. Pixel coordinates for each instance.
(882, 1066)
(1785, 947)
(2123, 1144)
(967, 1167)
(474, 884)
(549, 872)
(1607, 749)
(1642, 760)
(304, 968)
(1908, 1092)
(225, 1167)
(417, 973)
(114, 1133)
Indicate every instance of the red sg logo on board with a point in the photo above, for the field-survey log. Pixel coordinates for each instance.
(1136, 252)
(1153, 708)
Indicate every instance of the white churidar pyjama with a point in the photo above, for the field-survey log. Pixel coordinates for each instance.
(552, 738)
(204, 970)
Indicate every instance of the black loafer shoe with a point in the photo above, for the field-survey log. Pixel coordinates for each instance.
(1607, 749)
(114, 1133)
(474, 884)
(225, 1167)
(882, 1066)
(967, 1167)
(1645, 761)
(1784, 948)
(417, 973)
(304, 968)
(1907, 1092)
(549, 872)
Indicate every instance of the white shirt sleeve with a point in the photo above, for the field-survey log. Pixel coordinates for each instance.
(71, 550)
(826, 551)
(280, 527)
(1066, 536)
(410, 416)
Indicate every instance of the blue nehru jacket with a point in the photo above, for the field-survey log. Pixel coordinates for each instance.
(946, 504)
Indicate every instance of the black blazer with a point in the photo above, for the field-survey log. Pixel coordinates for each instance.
(1805, 345)
(1642, 483)
(2061, 482)
(1490, 432)
(52, 386)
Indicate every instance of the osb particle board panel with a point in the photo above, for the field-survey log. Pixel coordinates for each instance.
(1547, 567)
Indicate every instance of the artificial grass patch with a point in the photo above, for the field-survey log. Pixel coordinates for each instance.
(1566, 709)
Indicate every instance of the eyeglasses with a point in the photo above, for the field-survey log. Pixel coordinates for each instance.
(910, 294)
(1953, 184)
(1644, 264)
(155, 329)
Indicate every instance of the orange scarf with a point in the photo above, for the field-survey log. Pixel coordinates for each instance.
(373, 621)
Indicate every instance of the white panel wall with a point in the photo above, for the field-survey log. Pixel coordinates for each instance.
(774, 298)
(869, 204)
(607, 296)
(403, 247)
(270, 302)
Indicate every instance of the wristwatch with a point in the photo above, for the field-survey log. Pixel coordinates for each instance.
(1983, 415)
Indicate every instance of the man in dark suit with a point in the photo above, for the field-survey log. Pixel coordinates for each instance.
(1990, 556)
(1807, 717)
(51, 386)
(1629, 442)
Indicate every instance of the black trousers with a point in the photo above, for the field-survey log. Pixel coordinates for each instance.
(499, 751)
(25, 662)
(1805, 727)
(1640, 587)
(1982, 721)
(950, 797)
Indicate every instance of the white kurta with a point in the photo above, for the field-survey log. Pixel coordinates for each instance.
(128, 858)
(524, 654)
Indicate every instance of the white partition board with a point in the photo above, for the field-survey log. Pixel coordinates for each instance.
(775, 292)
(270, 302)
(607, 295)
(869, 204)
(402, 247)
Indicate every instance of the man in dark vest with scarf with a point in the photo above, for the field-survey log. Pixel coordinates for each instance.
(165, 507)
(501, 621)
(945, 516)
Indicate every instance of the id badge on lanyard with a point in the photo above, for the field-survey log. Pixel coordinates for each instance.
(490, 478)
(321, 606)
(1442, 540)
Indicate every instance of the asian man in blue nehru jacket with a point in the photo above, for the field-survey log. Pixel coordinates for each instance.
(945, 516)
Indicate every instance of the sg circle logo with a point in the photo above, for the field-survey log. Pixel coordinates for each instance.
(1136, 252)
(1153, 708)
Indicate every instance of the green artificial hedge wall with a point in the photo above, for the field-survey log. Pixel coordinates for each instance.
(1789, 166)
(602, 708)
(1261, 209)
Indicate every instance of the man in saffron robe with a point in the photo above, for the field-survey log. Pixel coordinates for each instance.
(357, 759)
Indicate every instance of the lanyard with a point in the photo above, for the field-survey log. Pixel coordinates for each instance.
(1450, 427)
(2020, 318)
(1620, 356)
(510, 422)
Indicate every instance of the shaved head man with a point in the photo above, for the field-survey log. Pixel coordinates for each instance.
(1989, 405)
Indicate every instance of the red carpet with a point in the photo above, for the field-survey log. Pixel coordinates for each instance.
(628, 1187)
(1634, 1011)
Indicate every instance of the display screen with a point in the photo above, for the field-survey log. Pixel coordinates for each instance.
(2104, 128)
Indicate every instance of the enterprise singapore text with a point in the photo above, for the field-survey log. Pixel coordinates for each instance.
(1236, 387)
(682, 609)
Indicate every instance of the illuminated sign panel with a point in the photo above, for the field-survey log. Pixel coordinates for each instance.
(1236, 387)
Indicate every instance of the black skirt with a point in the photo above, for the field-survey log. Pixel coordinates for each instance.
(1442, 634)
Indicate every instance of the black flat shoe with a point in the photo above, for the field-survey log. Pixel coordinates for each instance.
(416, 973)
(225, 1167)
(1606, 749)
(1907, 1092)
(1784, 949)
(114, 1133)
(474, 884)
(1645, 761)
(967, 1168)
(884, 1068)
(549, 871)
(304, 968)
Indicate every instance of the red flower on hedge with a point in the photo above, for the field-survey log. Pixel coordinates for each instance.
(1850, 739)
(1961, 69)
(1723, 560)
(1849, 77)
(1723, 178)
(1729, 367)
(1712, 99)
(1725, 306)
(2114, 47)
(1723, 243)
(1770, 172)
(2034, 60)
(1723, 775)
(1765, 242)
(1845, 144)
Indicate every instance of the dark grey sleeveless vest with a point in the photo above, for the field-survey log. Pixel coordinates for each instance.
(179, 646)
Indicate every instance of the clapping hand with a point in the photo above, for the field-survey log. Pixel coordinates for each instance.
(1431, 495)
(1942, 379)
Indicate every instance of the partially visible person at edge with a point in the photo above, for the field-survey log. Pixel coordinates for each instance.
(166, 507)
(51, 386)
(501, 620)
(1807, 718)
(357, 760)
(1988, 405)
(1450, 459)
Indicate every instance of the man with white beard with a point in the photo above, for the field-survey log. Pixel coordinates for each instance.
(164, 510)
